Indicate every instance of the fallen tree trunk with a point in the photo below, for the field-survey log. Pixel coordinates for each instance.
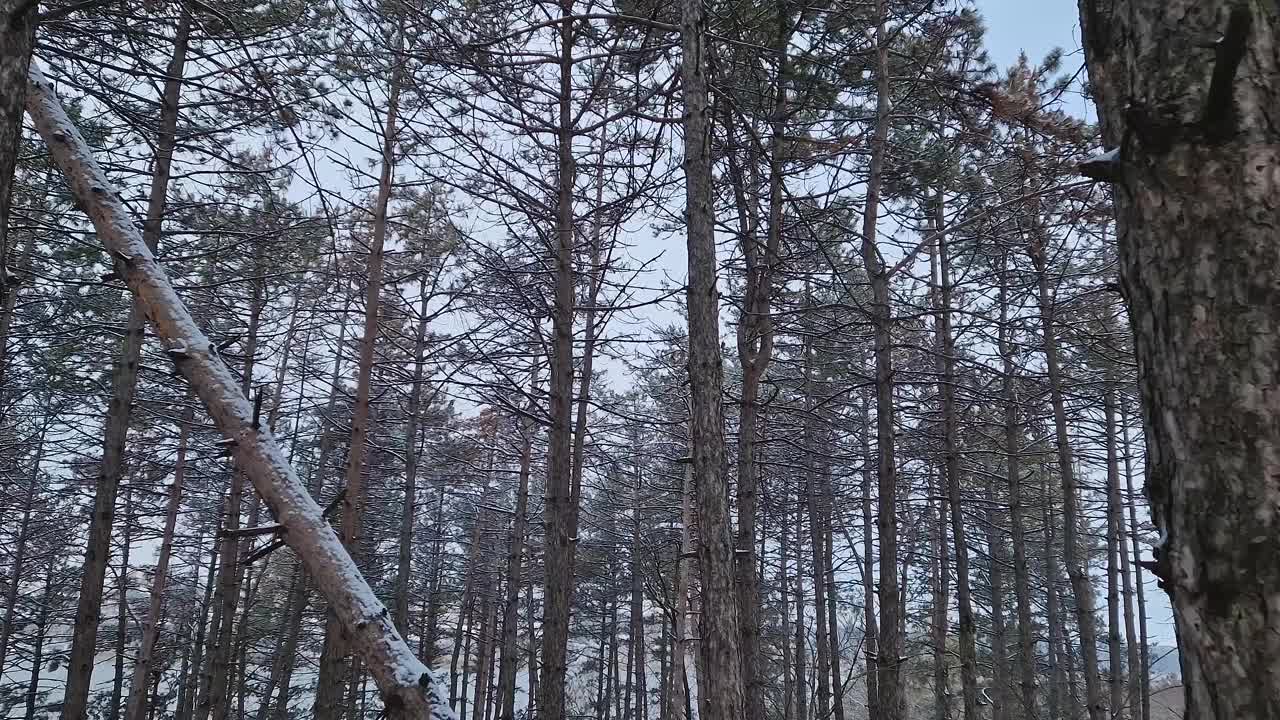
(409, 689)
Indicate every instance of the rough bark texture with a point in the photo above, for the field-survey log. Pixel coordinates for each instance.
(1187, 90)
(408, 688)
(17, 38)
(720, 632)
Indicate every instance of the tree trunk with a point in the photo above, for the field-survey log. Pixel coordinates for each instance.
(891, 698)
(755, 351)
(801, 636)
(1115, 657)
(1185, 90)
(1143, 662)
(720, 631)
(20, 548)
(124, 377)
(950, 439)
(999, 627)
(871, 631)
(678, 693)
(190, 683)
(637, 640)
(332, 656)
(817, 545)
(137, 703)
(941, 573)
(833, 628)
(1081, 583)
(1013, 439)
(17, 39)
(407, 686)
(1056, 625)
(42, 626)
(404, 558)
(511, 606)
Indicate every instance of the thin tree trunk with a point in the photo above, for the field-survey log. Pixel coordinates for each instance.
(891, 694)
(17, 39)
(817, 545)
(1056, 624)
(37, 651)
(833, 629)
(160, 578)
(637, 640)
(950, 433)
(999, 627)
(871, 631)
(285, 646)
(1144, 660)
(404, 559)
(784, 592)
(190, 685)
(122, 610)
(333, 666)
(511, 606)
(678, 694)
(720, 631)
(484, 648)
(941, 573)
(20, 547)
(1081, 583)
(755, 351)
(801, 636)
(1115, 657)
(124, 377)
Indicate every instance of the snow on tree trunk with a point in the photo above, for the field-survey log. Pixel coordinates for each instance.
(1187, 91)
(408, 688)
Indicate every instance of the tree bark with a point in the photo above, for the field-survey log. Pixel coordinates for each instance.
(20, 548)
(404, 557)
(17, 39)
(332, 658)
(409, 690)
(42, 626)
(720, 631)
(891, 698)
(1115, 656)
(968, 630)
(559, 513)
(1186, 90)
(1143, 662)
(510, 657)
(137, 703)
(679, 691)
(123, 381)
(1072, 558)
(870, 628)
